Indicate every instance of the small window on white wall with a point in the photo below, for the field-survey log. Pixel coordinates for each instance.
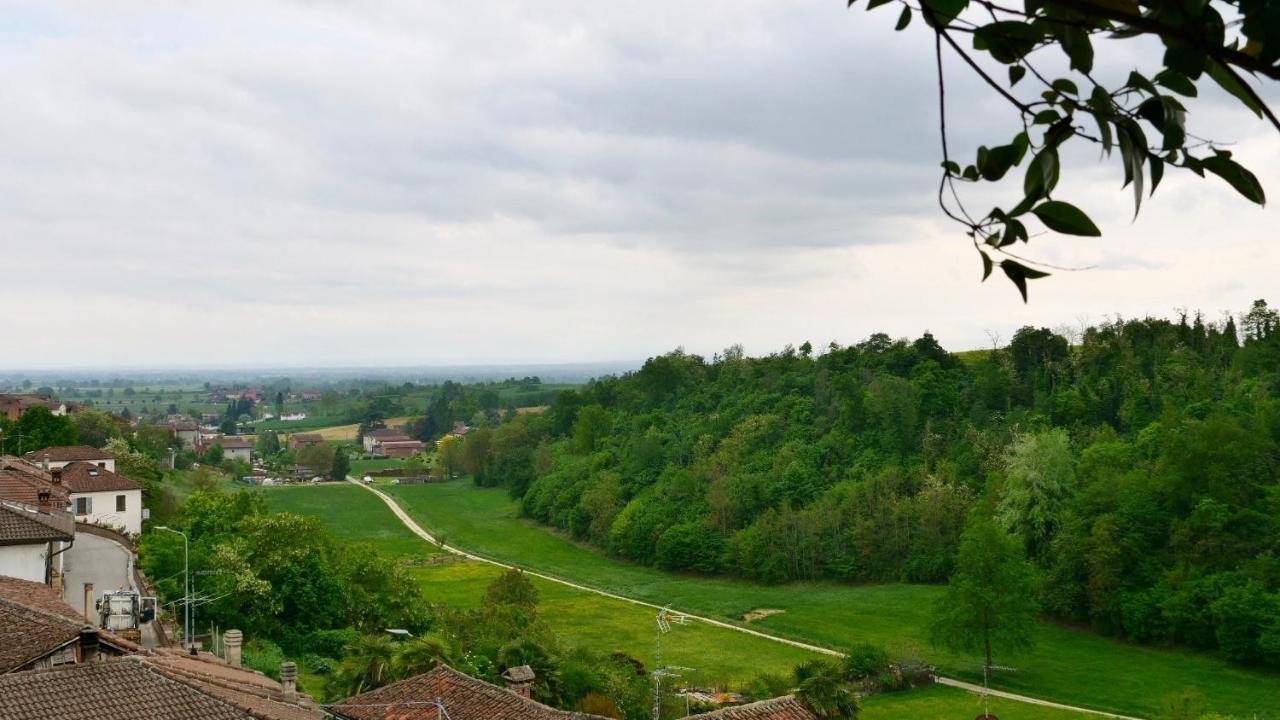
(119, 503)
(84, 505)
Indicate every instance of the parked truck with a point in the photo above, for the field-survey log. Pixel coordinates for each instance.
(122, 612)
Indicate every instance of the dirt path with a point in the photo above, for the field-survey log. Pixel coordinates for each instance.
(416, 529)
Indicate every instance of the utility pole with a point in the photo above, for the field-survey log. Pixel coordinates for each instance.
(186, 580)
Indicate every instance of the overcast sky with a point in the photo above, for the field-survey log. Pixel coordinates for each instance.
(392, 183)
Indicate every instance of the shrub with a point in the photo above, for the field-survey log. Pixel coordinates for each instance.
(865, 660)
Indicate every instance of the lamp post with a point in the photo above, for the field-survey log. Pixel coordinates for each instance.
(186, 581)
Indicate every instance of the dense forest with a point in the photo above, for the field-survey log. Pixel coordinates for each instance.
(1135, 463)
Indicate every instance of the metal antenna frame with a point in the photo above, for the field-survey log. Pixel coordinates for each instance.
(664, 620)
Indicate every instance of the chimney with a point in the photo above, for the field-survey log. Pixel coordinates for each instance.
(44, 463)
(90, 612)
(57, 476)
(519, 679)
(233, 640)
(289, 680)
(88, 644)
(44, 501)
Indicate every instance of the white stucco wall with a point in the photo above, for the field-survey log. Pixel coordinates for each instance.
(244, 454)
(23, 561)
(102, 510)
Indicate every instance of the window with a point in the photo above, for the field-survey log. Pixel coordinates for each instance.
(102, 465)
(84, 505)
(119, 503)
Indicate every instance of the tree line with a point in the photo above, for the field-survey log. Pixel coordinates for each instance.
(1133, 466)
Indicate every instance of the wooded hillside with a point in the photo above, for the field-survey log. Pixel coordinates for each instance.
(1138, 467)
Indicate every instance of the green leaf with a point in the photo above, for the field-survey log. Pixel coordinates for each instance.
(1007, 40)
(904, 19)
(1079, 49)
(1066, 87)
(951, 167)
(1138, 82)
(993, 163)
(1016, 73)
(1020, 274)
(1185, 59)
(1245, 182)
(1157, 172)
(986, 266)
(1065, 218)
(873, 4)
(943, 10)
(1224, 78)
(1176, 82)
(1042, 174)
(1046, 117)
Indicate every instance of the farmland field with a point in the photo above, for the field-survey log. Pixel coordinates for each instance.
(580, 618)
(1068, 666)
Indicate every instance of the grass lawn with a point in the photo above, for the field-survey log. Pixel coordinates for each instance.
(1067, 666)
(945, 702)
(352, 514)
(580, 618)
(332, 432)
(360, 467)
(717, 656)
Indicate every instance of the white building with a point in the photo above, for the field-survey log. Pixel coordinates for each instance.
(58, 457)
(236, 448)
(101, 497)
(31, 539)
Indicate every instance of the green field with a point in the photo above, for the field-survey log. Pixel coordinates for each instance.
(1067, 666)
(945, 702)
(360, 467)
(581, 618)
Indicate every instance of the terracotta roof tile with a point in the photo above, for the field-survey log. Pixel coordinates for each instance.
(786, 707)
(23, 482)
(21, 523)
(464, 698)
(68, 453)
(29, 633)
(80, 477)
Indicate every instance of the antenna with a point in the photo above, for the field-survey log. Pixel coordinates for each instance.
(664, 621)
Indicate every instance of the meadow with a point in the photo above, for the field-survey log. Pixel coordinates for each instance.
(1068, 665)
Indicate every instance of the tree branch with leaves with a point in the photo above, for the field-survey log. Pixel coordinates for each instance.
(1143, 118)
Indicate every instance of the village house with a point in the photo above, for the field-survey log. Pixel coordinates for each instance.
(236, 448)
(35, 527)
(61, 456)
(13, 407)
(54, 666)
(39, 630)
(399, 448)
(297, 441)
(187, 431)
(101, 497)
(375, 438)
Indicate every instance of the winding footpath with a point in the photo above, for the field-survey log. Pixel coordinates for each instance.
(416, 529)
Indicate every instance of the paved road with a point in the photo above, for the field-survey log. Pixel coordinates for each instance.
(103, 562)
(417, 530)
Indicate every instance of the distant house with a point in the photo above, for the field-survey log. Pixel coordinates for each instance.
(459, 430)
(14, 406)
(310, 394)
(236, 448)
(61, 456)
(290, 417)
(253, 395)
(400, 448)
(374, 438)
(186, 431)
(297, 441)
(102, 497)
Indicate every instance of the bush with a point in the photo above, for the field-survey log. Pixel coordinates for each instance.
(865, 660)
(318, 665)
(331, 643)
(263, 656)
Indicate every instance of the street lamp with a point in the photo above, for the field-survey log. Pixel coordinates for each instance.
(186, 580)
